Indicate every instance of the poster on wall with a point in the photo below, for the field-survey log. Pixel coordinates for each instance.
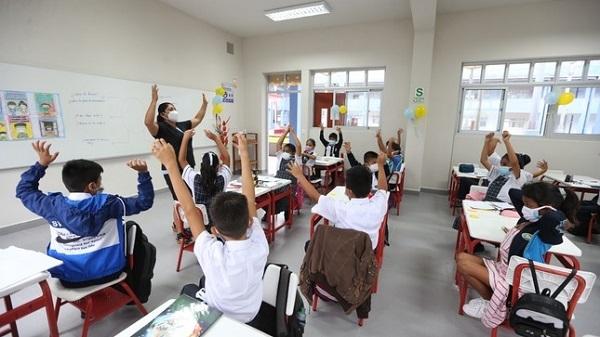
(30, 115)
(228, 96)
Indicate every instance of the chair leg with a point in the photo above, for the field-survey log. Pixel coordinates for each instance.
(50, 314)
(180, 256)
(13, 325)
(88, 316)
(361, 321)
(315, 299)
(135, 299)
(494, 332)
(57, 308)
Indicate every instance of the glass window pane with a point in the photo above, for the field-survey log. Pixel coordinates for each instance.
(544, 71)
(581, 116)
(376, 76)
(494, 73)
(293, 81)
(321, 79)
(374, 108)
(356, 78)
(518, 72)
(481, 109)
(357, 109)
(275, 82)
(594, 70)
(525, 110)
(571, 70)
(471, 74)
(338, 79)
(592, 122)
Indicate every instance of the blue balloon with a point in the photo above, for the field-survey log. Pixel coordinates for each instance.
(409, 113)
(335, 109)
(551, 98)
(217, 100)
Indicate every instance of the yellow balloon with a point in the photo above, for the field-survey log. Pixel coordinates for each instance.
(217, 109)
(343, 109)
(420, 111)
(565, 98)
(220, 91)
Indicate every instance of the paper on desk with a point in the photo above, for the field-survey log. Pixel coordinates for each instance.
(17, 264)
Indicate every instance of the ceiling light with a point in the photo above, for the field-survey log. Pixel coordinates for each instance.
(298, 11)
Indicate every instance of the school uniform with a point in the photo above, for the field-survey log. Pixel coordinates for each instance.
(501, 184)
(282, 167)
(374, 180)
(174, 136)
(361, 214)
(331, 150)
(233, 272)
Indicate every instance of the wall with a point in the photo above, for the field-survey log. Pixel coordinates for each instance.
(548, 29)
(386, 44)
(139, 40)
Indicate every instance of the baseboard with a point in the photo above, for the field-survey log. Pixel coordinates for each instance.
(434, 191)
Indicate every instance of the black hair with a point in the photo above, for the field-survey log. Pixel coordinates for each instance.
(522, 158)
(396, 147)
(312, 141)
(22, 103)
(229, 213)
(289, 146)
(333, 136)
(369, 155)
(162, 107)
(77, 174)
(11, 103)
(546, 194)
(208, 172)
(359, 180)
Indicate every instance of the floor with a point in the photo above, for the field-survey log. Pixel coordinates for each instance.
(416, 295)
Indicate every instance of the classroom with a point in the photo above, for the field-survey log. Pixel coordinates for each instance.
(299, 168)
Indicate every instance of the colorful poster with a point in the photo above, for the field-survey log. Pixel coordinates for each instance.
(3, 130)
(228, 96)
(20, 130)
(15, 104)
(49, 128)
(28, 115)
(45, 104)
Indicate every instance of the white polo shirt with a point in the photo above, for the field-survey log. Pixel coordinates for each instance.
(234, 272)
(512, 182)
(361, 214)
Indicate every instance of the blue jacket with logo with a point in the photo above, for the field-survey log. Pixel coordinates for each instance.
(87, 231)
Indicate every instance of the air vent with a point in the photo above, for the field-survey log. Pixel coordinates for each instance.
(229, 48)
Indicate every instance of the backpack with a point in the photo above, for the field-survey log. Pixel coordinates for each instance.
(144, 258)
(540, 314)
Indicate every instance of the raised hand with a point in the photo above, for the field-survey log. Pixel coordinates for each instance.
(338, 129)
(138, 165)
(400, 130)
(543, 165)
(322, 127)
(378, 133)
(42, 149)
(348, 147)
(164, 152)
(204, 100)
(210, 135)
(154, 92)
(295, 170)
(189, 133)
(489, 136)
(506, 136)
(240, 142)
(381, 158)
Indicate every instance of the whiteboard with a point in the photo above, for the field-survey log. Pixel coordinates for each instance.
(99, 117)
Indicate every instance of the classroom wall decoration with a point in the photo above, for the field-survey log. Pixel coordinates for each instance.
(30, 115)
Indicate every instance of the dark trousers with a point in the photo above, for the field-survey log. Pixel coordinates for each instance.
(584, 214)
(170, 185)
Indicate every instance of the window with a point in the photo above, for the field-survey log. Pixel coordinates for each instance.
(360, 90)
(283, 104)
(511, 96)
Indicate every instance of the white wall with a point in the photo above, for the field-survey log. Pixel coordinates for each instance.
(386, 44)
(547, 29)
(142, 40)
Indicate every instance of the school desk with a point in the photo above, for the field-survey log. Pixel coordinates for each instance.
(330, 166)
(480, 174)
(583, 184)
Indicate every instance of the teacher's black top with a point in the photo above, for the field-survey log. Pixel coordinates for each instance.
(174, 136)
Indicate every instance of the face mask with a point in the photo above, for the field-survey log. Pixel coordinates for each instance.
(504, 170)
(374, 167)
(533, 214)
(332, 142)
(286, 156)
(173, 116)
(308, 148)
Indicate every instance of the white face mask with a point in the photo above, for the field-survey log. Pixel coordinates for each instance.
(286, 156)
(308, 148)
(533, 214)
(374, 167)
(504, 170)
(332, 142)
(173, 116)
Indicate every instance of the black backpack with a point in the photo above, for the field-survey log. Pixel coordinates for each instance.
(144, 258)
(542, 305)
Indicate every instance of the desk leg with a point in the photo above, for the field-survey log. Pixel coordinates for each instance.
(291, 198)
(13, 325)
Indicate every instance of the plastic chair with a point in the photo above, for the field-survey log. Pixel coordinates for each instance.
(180, 220)
(12, 314)
(593, 220)
(549, 276)
(97, 301)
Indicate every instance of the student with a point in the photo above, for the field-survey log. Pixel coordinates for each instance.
(87, 231)
(233, 259)
(334, 142)
(508, 174)
(308, 158)
(496, 160)
(370, 162)
(286, 154)
(392, 149)
(213, 177)
(586, 209)
(545, 213)
(363, 212)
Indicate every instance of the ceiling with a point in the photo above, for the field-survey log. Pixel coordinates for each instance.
(245, 18)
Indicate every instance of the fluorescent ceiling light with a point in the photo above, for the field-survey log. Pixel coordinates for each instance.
(298, 11)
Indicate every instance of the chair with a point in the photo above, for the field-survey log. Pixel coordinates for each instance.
(549, 276)
(275, 299)
(98, 301)
(397, 179)
(593, 220)
(12, 314)
(180, 220)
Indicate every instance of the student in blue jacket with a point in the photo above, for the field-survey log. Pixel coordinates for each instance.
(87, 231)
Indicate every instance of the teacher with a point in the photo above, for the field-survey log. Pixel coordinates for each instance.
(168, 127)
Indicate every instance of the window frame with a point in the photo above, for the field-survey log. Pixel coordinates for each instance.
(550, 111)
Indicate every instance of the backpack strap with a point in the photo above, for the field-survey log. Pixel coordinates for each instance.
(564, 284)
(534, 277)
(281, 327)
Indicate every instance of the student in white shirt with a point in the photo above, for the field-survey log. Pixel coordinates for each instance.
(363, 212)
(233, 258)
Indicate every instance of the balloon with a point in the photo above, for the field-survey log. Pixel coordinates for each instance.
(343, 109)
(217, 109)
(565, 98)
(420, 111)
(217, 100)
(220, 91)
(409, 113)
(551, 98)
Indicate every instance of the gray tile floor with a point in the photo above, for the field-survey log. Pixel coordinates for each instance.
(416, 296)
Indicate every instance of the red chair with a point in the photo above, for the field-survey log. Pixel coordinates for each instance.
(593, 220)
(397, 178)
(98, 301)
(179, 221)
(12, 314)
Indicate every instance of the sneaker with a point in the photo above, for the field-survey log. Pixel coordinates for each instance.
(475, 308)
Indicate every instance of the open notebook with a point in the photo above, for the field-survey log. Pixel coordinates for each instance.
(185, 317)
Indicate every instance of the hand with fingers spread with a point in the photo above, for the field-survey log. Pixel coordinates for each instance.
(210, 135)
(348, 147)
(295, 170)
(42, 148)
(138, 165)
(164, 152)
(543, 165)
(240, 143)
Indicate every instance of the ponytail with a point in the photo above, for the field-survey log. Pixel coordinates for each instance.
(208, 173)
(570, 205)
